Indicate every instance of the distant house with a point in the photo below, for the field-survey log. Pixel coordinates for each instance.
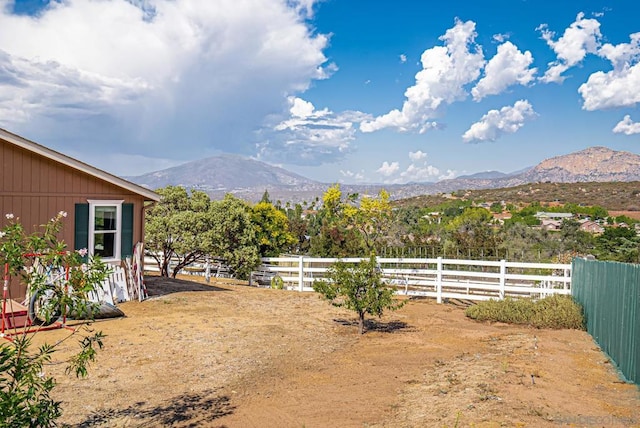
(433, 217)
(501, 217)
(105, 213)
(541, 215)
(550, 224)
(591, 227)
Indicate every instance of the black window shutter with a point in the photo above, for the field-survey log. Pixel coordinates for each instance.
(81, 235)
(126, 243)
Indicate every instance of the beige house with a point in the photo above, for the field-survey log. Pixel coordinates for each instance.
(591, 227)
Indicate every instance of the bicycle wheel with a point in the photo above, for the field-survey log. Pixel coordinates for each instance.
(43, 308)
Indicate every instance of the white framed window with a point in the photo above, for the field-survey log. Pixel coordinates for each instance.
(105, 229)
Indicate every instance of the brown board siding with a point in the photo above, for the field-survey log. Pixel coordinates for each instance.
(34, 189)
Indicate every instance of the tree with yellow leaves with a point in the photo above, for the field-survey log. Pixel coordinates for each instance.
(351, 225)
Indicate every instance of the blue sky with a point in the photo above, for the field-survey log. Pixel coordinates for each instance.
(347, 91)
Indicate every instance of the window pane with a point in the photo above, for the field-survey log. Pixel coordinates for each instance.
(104, 245)
(105, 218)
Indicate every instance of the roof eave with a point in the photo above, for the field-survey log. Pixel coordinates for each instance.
(76, 164)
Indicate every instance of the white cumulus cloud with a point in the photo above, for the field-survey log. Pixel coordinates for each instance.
(619, 87)
(508, 67)
(357, 176)
(418, 170)
(495, 123)
(445, 71)
(309, 136)
(582, 37)
(448, 175)
(627, 126)
(417, 156)
(388, 169)
(175, 77)
(418, 173)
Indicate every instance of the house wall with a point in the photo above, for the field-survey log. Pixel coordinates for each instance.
(34, 189)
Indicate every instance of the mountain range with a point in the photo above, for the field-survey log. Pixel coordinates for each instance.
(248, 178)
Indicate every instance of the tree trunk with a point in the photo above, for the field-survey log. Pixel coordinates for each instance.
(361, 322)
(164, 270)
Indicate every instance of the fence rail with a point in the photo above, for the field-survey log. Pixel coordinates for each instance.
(433, 277)
(202, 267)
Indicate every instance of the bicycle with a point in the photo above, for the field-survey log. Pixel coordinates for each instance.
(43, 303)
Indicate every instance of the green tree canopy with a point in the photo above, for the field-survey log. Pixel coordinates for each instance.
(175, 226)
(232, 235)
(619, 244)
(358, 288)
(471, 232)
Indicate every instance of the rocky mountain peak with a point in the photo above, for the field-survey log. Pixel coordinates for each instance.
(591, 164)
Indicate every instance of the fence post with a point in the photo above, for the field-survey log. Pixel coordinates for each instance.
(503, 273)
(301, 273)
(439, 281)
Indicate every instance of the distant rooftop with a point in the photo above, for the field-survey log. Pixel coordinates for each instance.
(543, 214)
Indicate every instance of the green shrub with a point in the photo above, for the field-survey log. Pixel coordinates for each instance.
(554, 312)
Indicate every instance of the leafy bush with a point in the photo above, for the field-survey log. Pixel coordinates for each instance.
(25, 398)
(554, 312)
(25, 388)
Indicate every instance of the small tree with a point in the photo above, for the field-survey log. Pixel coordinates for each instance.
(25, 389)
(359, 288)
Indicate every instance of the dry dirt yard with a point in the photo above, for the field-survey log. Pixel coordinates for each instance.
(226, 355)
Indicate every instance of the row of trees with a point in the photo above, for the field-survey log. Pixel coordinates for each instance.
(473, 232)
(188, 226)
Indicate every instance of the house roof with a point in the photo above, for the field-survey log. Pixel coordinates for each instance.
(541, 214)
(76, 164)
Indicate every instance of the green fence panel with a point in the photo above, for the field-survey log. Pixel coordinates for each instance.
(609, 292)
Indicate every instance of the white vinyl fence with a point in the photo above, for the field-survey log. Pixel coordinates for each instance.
(432, 277)
(203, 267)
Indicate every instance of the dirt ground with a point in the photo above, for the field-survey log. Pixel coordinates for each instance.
(226, 355)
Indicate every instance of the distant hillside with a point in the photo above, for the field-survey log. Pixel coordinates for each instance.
(614, 196)
(248, 178)
(227, 173)
(485, 175)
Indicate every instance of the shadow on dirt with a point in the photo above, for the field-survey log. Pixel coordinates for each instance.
(161, 286)
(373, 325)
(190, 410)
